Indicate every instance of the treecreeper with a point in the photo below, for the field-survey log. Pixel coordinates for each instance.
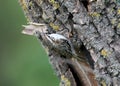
(64, 48)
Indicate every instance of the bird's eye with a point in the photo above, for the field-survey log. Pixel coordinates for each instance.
(52, 38)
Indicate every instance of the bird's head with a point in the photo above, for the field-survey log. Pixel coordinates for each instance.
(56, 39)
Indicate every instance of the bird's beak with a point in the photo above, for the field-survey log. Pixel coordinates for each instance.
(49, 39)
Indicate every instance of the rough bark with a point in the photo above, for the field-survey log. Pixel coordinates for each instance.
(92, 26)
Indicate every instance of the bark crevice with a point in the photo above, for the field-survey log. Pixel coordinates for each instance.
(93, 28)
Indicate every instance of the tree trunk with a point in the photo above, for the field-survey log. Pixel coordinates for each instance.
(93, 29)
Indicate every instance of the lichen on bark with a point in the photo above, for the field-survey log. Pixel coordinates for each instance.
(92, 26)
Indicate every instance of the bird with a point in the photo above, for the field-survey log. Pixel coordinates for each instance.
(63, 46)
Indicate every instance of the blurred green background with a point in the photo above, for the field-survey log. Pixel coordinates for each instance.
(23, 62)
